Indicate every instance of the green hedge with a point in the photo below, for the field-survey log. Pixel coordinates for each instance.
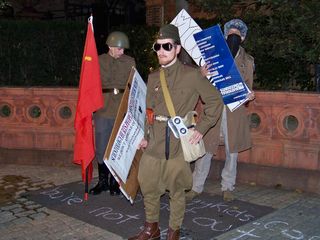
(49, 53)
(283, 37)
(39, 53)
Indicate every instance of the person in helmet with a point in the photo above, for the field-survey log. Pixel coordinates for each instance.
(115, 67)
(233, 126)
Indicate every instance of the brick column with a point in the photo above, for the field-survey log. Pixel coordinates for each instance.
(160, 12)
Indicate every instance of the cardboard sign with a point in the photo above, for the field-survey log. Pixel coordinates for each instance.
(121, 155)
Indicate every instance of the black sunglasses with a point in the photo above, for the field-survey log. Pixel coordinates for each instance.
(166, 46)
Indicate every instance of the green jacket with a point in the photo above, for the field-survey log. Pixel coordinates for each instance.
(186, 85)
(114, 74)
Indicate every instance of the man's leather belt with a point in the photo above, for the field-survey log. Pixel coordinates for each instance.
(115, 91)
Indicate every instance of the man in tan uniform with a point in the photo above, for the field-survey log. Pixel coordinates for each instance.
(156, 174)
(233, 126)
(115, 68)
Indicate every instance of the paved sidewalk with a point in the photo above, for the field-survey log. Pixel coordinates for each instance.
(296, 216)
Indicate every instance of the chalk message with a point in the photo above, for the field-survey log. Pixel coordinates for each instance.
(205, 217)
(275, 227)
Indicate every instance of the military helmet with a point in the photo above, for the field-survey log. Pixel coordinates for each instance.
(118, 39)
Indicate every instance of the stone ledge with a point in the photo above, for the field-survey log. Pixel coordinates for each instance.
(36, 157)
(293, 179)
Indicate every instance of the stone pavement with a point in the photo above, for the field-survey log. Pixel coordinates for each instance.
(296, 216)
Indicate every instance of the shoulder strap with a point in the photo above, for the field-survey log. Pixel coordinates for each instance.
(166, 94)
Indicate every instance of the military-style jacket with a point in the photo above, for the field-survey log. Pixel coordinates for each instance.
(238, 121)
(185, 84)
(114, 74)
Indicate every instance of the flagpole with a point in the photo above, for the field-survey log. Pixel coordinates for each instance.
(90, 99)
(86, 185)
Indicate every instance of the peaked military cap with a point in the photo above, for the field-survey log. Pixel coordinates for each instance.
(169, 31)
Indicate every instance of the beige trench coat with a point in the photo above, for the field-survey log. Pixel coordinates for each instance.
(238, 121)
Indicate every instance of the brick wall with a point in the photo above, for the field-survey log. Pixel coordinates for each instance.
(160, 12)
(164, 11)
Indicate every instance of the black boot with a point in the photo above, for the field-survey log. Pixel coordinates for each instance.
(114, 186)
(103, 184)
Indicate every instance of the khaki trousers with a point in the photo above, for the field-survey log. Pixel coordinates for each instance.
(229, 171)
(201, 172)
(158, 175)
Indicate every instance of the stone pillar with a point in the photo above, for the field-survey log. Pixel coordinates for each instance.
(159, 12)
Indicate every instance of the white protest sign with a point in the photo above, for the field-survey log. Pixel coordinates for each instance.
(187, 27)
(131, 130)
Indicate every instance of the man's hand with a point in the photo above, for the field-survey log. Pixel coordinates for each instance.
(251, 96)
(204, 70)
(143, 144)
(195, 137)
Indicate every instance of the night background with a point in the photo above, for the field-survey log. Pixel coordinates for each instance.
(37, 35)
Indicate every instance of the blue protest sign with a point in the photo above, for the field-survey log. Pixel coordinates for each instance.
(222, 68)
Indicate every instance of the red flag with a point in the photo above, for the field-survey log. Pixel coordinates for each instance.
(90, 99)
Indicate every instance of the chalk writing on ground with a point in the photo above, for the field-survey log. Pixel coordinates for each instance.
(206, 216)
(275, 227)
